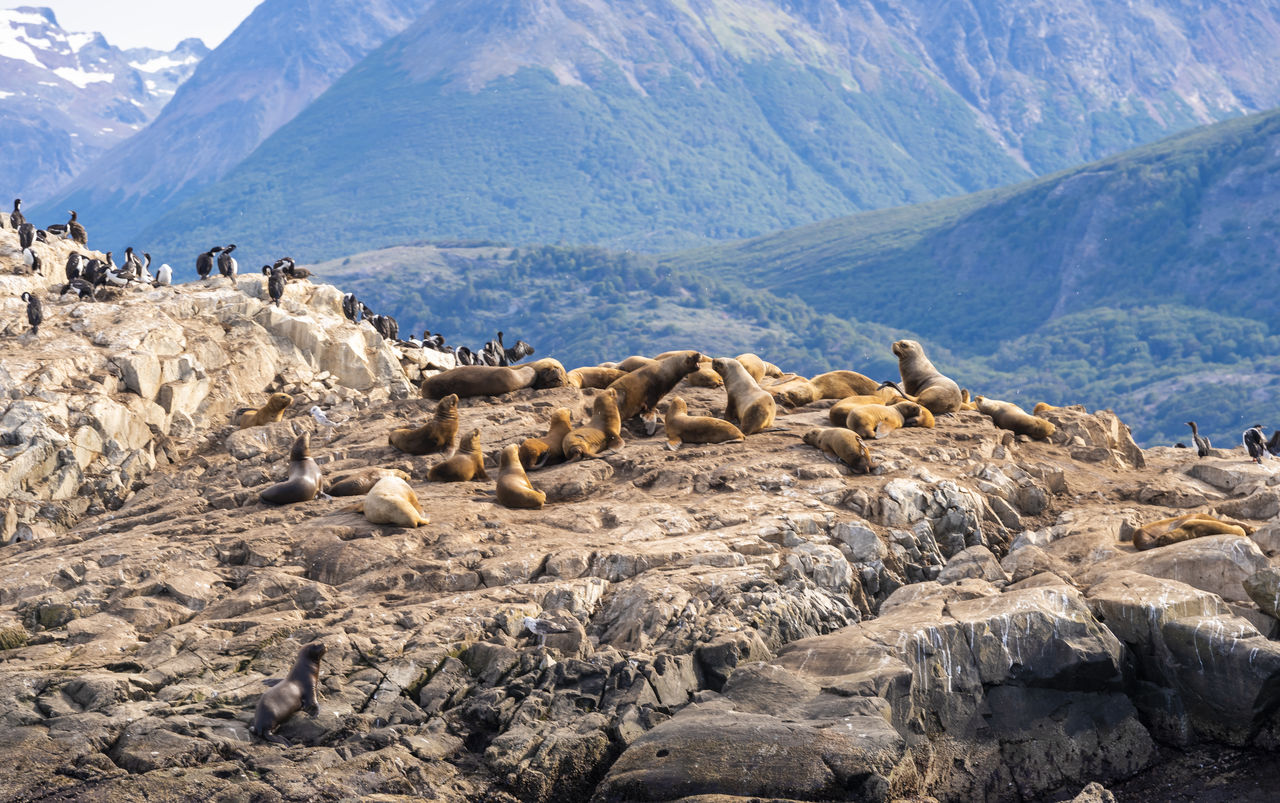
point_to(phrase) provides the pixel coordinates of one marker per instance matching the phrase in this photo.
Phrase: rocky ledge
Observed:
(740, 621)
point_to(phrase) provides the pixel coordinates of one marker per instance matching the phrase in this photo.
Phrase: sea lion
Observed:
(757, 367)
(750, 407)
(878, 420)
(1041, 407)
(548, 450)
(466, 462)
(840, 410)
(268, 413)
(433, 436)
(304, 476)
(601, 434)
(392, 501)
(705, 377)
(297, 692)
(795, 392)
(966, 403)
(1007, 415)
(358, 483)
(641, 390)
(684, 428)
(635, 362)
(839, 384)
(924, 382)
(514, 488)
(594, 377)
(1183, 528)
(844, 446)
(494, 380)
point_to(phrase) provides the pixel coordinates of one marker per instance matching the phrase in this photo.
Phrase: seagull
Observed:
(542, 628)
(322, 419)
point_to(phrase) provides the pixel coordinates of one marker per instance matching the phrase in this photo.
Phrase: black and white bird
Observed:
(1255, 442)
(349, 307)
(81, 288)
(517, 352)
(35, 313)
(144, 269)
(275, 284)
(32, 261)
(1202, 443)
(16, 218)
(74, 263)
(58, 230)
(227, 264)
(292, 270)
(26, 235)
(464, 356)
(131, 261)
(164, 275)
(205, 262)
(76, 231)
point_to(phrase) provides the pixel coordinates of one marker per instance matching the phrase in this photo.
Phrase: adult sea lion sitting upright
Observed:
(641, 390)
(514, 488)
(750, 407)
(304, 476)
(433, 436)
(924, 382)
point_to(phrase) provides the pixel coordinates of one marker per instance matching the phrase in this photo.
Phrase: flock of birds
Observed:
(87, 275)
(1254, 439)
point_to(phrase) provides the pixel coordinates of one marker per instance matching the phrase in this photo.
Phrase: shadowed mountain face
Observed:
(659, 123)
(281, 58)
(67, 97)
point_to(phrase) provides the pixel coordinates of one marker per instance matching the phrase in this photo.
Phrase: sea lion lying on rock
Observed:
(757, 367)
(794, 392)
(358, 483)
(433, 436)
(684, 428)
(840, 410)
(1007, 415)
(843, 446)
(878, 420)
(839, 384)
(494, 380)
(392, 501)
(549, 449)
(924, 382)
(602, 433)
(268, 413)
(1183, 528)
(594, 378)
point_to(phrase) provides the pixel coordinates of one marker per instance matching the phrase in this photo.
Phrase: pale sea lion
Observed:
(601, 434)
(297, 692)
(924, 382)
(594, 378)
(753, 365)
(268, 413)
(304, 476)
(358, 483)
(433, 436)
(1183, 528)
(684, 428)
(640, 391)
(839, 384)
(794, 392)
(466, 462)
(392, 501)
(514, 488)
(494, 380)
(844, 446)
(1010, 416)
(749, 406)
(548, 450)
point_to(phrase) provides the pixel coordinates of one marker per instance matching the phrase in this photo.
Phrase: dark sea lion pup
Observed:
(304, 476)
(297, 692)
(360, 481)
(492, 380)
(433, 436)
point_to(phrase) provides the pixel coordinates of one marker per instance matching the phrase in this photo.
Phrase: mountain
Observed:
(1137, 282)
(66, 98)
(661, 123)
(275, 63)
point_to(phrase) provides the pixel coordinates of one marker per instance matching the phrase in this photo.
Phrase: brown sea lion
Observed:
(750, 407)
(494, 380)
(596, 378)
(392, 501)
(1041, 407)
(304, 476)
(514, 488)
(966, 403)
(878, 420)
(684, 428)
(840, 410)
(640, 391)
(844, 446)
(268, 413)
(358, 483)
(1183, 528)
(795, 392)
(839, 384)
(465, 464)
(1007, 415)
(297, 692)
(924, 382)
(635, 362)
(548, 450)
(433, 436)
(705, 376)
(753, 365)
(602, 433)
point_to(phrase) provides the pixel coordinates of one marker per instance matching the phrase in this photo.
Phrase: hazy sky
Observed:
(150, 23)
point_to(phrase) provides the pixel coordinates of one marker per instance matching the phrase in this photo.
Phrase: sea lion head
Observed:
(561, 416)
(811, 436)
(278, 402)
(906, 348)
(677, 406)
(720, 365)
(548, 373)
(865, 463)
(470, 441)
(312, 652)
(509, 457)
(448, 404)
(692, 360)
(301, 448)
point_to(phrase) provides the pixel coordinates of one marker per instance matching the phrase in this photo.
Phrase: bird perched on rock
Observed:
(73, 267)
(543, 628)
(275, 283)
(35, 312)
(164, 275)
(350, 308)
(322, 419)
(16, 218)
(1255, 442)
(76, 231)
(32, 261)
(227, 264)
(205, 262)
(26, 235)
(82, 288)
(1202, 443)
